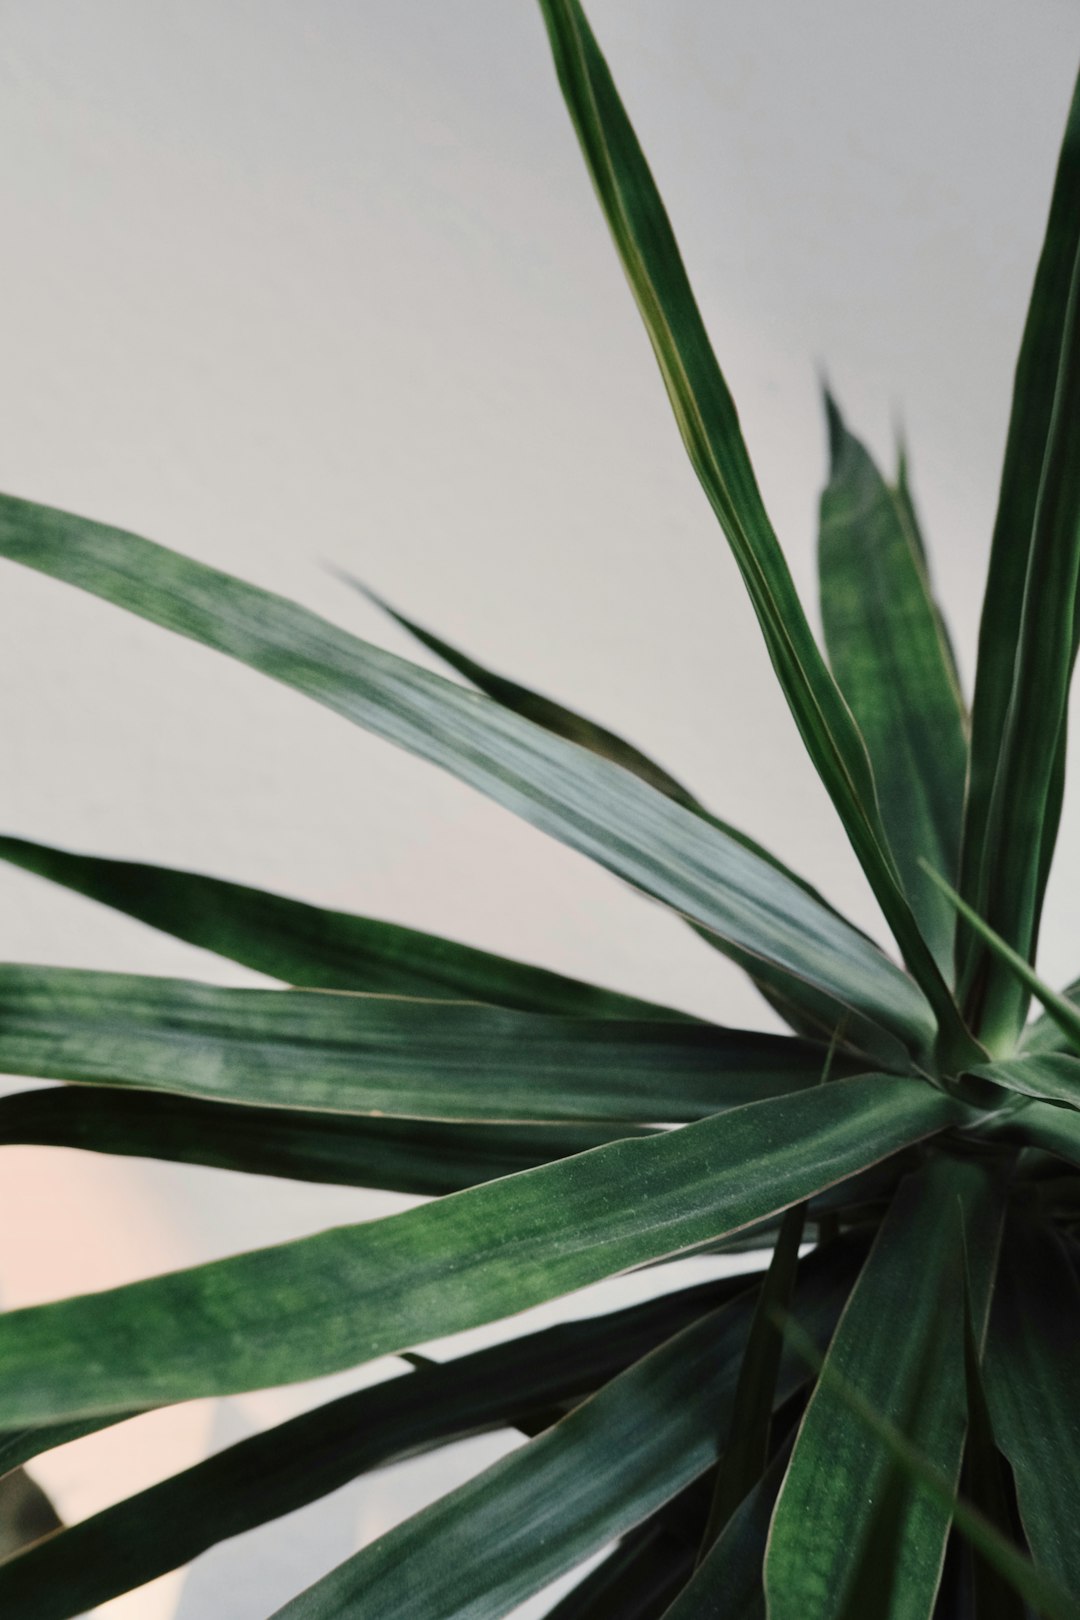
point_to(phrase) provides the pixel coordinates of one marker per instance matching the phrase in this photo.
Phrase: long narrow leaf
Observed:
(883, 633)
(709, 425)
(357, 1292)
(850, 1536)
(807, 1010)
(313, 948)
(408, 1156)
(1031, 1388)
(1049, 1076)
(603, 1469)
(1025, 451)
(1062, 1011)
(746, 1450)
(296, 1462)
(1041, 1592)
(727, 1585)
(382, 1055)
(1020, 826)
(594, 806)
(1043, 1034)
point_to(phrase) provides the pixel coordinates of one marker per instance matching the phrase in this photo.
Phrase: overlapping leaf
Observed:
(357, 1292)
(889, 657)
(314, 948)
(594, 806)
(296, 1462)
(805, 1008)
(1001, 627)
(382, 1055)
(850, 1535)
(1031, 1389)
(1027, 639)
(709, 425)
(603, 1469)
(400, 1155)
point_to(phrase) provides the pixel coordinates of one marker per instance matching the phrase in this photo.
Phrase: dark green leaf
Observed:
(746, 1449)
(883, 634)
(637, 1580)
(606, 1467)
(1062, 1011)
(1043, 1034)
(728, 1583)
(709, 425)
(357, 1292)
(26, 1514)
(313, 948)
(337, 1052)
(1032, 1391)
(851, 1536)
(807, 1010)
(297, 1462)
(408, 1156)
(1049, 1076)
(594, 806)
(984, 1482)
(1043, 1594)
(1010, 555)
(910, 518)
(1013, 839)
(543, 711)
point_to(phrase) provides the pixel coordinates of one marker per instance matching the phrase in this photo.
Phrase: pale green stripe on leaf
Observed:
(850, 1536)
(602, 1470)
(313, 947)
(883, 635)
(1025, 451)
(348, 1295)
(709, 425)
(590, 804)
(382, 1055)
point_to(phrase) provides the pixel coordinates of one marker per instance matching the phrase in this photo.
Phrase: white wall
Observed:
(292, 283)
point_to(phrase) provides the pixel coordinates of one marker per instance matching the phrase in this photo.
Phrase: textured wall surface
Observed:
(287, 284)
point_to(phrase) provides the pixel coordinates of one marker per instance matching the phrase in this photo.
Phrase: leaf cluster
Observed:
(876, 1418)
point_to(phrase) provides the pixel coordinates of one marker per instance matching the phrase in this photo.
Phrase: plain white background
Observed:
(292, 284)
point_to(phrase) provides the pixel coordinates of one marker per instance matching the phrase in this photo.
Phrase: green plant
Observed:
(797, 1435)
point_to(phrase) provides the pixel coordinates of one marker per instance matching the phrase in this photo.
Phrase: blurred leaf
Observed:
(910, 518)
(297, 1462)
(851, 1537)
(552, 716)
(26, 1514)
(313, 948)
(1021, 478)
(709, 425)
(354, 1293)
(883, 633)
(408, 1156)
(382, 1055)
(1032, 1391)
(607, 1466)
(594, 806)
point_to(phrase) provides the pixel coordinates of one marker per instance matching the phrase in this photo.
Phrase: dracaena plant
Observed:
(878, 1414)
